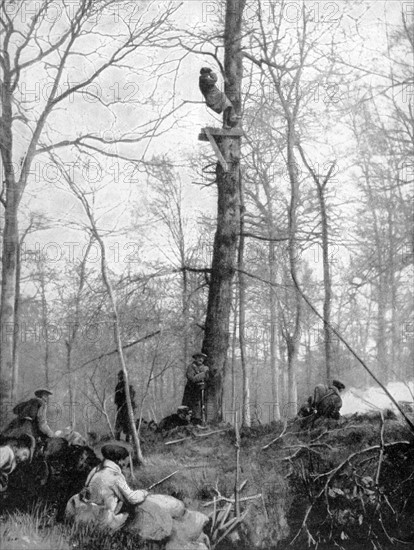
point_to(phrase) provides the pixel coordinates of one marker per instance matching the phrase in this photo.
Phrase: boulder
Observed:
(187, 533)
(151, 521)
(175, 507)
(162, 517)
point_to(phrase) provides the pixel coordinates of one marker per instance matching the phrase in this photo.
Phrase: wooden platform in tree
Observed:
(227, 132)
(210, 134)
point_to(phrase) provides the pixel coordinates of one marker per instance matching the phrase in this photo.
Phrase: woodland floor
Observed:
(346, 485)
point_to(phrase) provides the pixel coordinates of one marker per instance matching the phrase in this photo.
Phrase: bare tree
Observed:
(321, 183)
(27, 54)
(216, 336)
(93, 228)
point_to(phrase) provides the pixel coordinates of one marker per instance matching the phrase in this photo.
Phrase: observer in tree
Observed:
(215, 98)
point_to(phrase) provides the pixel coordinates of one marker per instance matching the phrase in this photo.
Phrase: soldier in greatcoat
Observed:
(122, 423)
(215, 98)
(197, 375)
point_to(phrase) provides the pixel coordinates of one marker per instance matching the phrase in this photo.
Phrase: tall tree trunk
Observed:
(118, 339)
(185, 309)
(15, 351)
(293, 340)
(246, 417)
(216, 336)
(381, 291)
(72, 412)
(8, 288)
(10, 232)
(327, 285)
(45, 319)
(233, 360)
(274, 367)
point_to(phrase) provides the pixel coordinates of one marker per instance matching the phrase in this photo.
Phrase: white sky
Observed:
(123, 188)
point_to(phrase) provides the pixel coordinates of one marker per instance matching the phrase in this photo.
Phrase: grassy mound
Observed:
(347, 484)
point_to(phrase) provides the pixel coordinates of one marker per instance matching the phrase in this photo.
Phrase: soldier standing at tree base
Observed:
(194, 393)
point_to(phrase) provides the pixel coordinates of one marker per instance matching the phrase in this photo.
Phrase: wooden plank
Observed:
(214, 145)
(227, 132)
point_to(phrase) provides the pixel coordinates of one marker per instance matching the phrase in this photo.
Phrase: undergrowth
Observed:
(309, 489)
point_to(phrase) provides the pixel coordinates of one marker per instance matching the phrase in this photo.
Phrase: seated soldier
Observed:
(106, 490)
(31, 418)
(326, 402)
(181, 418)
(13, 451)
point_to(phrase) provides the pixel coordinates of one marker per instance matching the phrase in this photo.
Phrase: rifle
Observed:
(203, 405)
(161, 480)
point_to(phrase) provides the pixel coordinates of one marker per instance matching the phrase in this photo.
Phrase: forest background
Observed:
(104, 113)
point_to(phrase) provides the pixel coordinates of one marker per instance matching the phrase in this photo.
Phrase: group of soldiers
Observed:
(192, 411)
(325, 402)
(26, 432)
(29, 429)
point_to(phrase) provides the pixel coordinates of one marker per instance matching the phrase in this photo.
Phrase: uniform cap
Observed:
(199, 354)
(338, 384)
(112, 449)
(41, 391)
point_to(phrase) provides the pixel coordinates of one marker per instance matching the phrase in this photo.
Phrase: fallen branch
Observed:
(283, 432)
(196, 435)
(231, 500)
(311, 444)
(290, 457)
(335, 470)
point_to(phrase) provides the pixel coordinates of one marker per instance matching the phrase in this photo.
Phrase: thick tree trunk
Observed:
(216, 336)
(10, 231)
(8, 288)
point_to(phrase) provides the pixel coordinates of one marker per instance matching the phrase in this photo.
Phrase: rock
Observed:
(162, 517)
(187, 533)
(175, 507)
(151, 522)
(191, 545)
